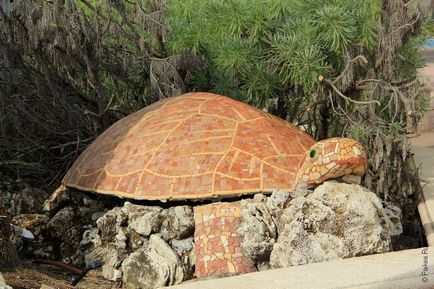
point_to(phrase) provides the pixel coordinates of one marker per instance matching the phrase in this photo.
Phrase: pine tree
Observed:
(262, 50)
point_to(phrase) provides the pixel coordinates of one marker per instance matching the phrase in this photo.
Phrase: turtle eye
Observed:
(312, 153)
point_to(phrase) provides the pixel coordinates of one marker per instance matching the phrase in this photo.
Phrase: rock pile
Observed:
(145, 246)
(151, 246)
(148, 246)
(336, 220)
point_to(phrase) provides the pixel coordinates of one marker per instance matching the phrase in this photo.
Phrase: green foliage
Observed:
(256, 49)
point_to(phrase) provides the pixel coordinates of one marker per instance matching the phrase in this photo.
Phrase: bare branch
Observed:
(330, 83)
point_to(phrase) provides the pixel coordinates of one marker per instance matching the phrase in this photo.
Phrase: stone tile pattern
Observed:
(331, 158)
(217, 243)
(198, 145)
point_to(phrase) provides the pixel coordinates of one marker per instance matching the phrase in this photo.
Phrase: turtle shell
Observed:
(194, 146)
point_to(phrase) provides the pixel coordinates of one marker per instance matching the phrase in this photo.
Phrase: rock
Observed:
(144, 220)
(109, 224)
(155, 266)
(27, 200)
(8, 254)
(300, 192)
(35, 223)
(130, 225)
(185, 250)
(111, 259)
(3, 284)
(89, 236)
(336, 221)
(257, 230)
(95, 216)
(42, 246)
(277, 201)
(127, 234)
(66, 228)
(259, 197)
(16, 238)
(62, 221)
(179, 223)
(183, 246)
(352, 179)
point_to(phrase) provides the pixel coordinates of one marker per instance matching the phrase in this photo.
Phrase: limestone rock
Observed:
(277, 201)
(183, 246)
(179, 222)
(111, 259)
(185, 250)
(3, 284)
(89, 236)
(155, 266)
(62, 221)
(128, 234)
(144, 220)
(66, 226)
(336, 221)
(130, 225)
(300, 192)
(24, 201)
(257, 230)
(109, 224)
(35, 223)
(8, 254)
(352, 179)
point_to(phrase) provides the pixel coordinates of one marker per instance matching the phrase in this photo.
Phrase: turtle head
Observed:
(329, 159)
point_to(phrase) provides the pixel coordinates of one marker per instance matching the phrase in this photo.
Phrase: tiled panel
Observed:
(217, 243)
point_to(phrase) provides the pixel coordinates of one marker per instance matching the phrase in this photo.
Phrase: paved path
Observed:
(396, 270)
(423, 149)
(428, 70)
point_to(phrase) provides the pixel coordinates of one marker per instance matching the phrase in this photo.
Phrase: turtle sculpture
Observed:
(203, 146)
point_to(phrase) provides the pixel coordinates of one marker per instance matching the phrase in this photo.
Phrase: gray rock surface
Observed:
(352, 179)
(66, 226)
(277, 201)
(179, 222)
(111, 258)
(129, 238)
(27, 200)
(336, 221)
(155, 266)
(144, 220)
(257, 230)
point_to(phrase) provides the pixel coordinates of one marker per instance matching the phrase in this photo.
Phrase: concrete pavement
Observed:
(423, 149)
(397, 270)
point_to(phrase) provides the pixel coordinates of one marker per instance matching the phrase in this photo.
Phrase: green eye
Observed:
(312, 153)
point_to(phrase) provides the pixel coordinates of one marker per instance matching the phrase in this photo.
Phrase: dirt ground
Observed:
(33, 276)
